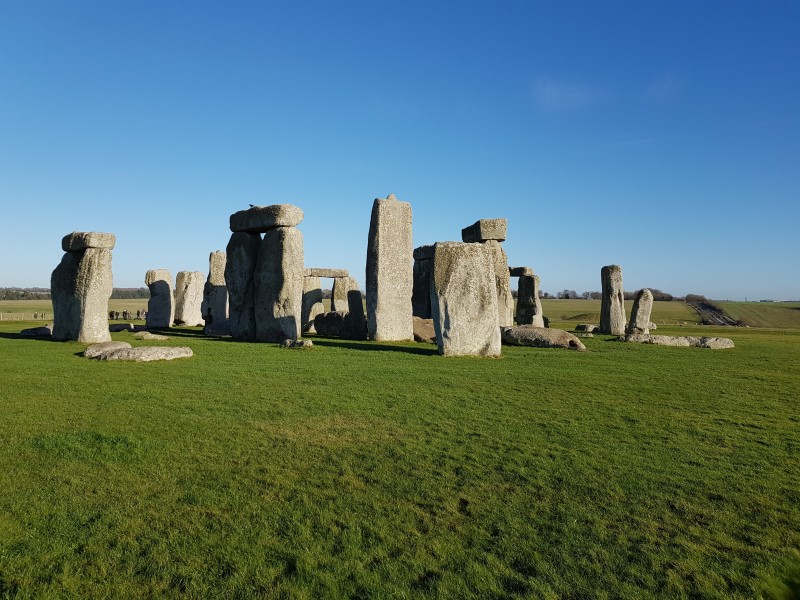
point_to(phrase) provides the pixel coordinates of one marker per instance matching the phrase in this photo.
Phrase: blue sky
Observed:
(661, 136)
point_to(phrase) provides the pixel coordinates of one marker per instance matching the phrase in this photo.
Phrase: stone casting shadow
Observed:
(425, 350)
(19, 336)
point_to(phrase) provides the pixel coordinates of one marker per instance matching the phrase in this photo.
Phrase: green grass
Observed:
(568, 313)
(765, 314)
(383, 470)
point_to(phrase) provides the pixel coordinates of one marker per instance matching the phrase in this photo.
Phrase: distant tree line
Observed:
(658, 295)
(15, 293)
(130, 293)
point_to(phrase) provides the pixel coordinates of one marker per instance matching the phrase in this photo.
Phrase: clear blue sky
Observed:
(661, 136)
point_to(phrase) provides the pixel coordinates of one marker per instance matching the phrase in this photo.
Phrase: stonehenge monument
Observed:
(80, 287)
(491, 232)
(640, 313)
(189, 298)
(341, 287)
(389, 271)
(356, 320)
(161, 305)
(312, 303)
(612, 303)
(264, 277)
(214, 308)
(529, 305)
(464, 300)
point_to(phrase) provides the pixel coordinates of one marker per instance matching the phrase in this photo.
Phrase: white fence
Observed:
(23, 316)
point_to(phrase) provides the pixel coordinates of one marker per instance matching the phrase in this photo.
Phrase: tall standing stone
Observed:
(312, 302)
(189, 297)
(242, 253)
(80, 288)
(279, 285)
(356, 320)
(341, 287)
(529, 306)
(390, 271)
(505, 300)
(464, 300)
(612, 304)
(640, 313)
(215, 294)
(161, 305)
(421, 292)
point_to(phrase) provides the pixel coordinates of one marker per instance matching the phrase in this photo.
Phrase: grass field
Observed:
(383, 470)
(765, 314)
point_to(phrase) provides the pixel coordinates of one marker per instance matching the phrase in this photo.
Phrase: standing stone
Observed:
(80, 288)
(421, 292)
(640, 313)
(312, 302)
(356, 319)
(529, 306)
(279, 285)
(390, 271)
(215, 295)
(464, 300)
(612, 305)
(161, 305)
(505, 300)
(189, 298)
(242, 253)
(341, 287)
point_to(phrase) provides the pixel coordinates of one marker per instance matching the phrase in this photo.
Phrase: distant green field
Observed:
(566, 312)
(46, 306)
(380, 470)
(765, 314)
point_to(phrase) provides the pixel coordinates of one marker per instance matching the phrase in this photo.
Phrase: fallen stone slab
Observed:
(685, 341)
(540, 337)
(424, 331)
(330, 273)
(116, 327)
(330, 324)
(148, 353)
(260, 219)
(81, 240)
(43, 331)
(95, 350)
(587, 327)
(149, 336)
(297, 344)
(583, 334)
(485, 230)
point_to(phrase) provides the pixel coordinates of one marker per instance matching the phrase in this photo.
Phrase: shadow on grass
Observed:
(423, 350)
(19, 336)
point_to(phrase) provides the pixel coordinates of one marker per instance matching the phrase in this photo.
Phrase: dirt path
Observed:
(712, 315)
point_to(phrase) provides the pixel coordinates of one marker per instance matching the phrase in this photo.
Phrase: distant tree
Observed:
(591, 295)
(567, 294)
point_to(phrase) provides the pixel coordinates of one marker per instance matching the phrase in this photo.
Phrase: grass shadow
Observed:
(425, 350)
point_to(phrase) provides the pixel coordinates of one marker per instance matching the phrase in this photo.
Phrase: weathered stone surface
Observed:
(220, 328)
(390, 271)
(149, 336)
(81, 240)
(652, 326)
(640, 312)
(424, 331)
(43, 331)
(260, 219)
(312, 302)
(464, 300)
(529, 305)
(583, 334)
(505, 301)
(297, 344)
(714, 343)
(331, 273)
(330, 324)
(356, 320)
(423, 252)
(189, 297)
(485, 230)
(520, 271)
(540, 337)
(341, 287)
(215, 292)
(587, 327)
(96, 350)
(148, 353)
(612, 303)
(240, 265)
(279, 285)
(80, 288)
(161, 305)
(421, 292)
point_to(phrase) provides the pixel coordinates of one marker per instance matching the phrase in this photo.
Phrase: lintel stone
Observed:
(484, 230)
(81, 240)
(260, 219)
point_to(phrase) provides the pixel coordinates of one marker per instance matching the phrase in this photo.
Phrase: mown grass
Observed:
(765, 314)
(382, 470)
(567, 313)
